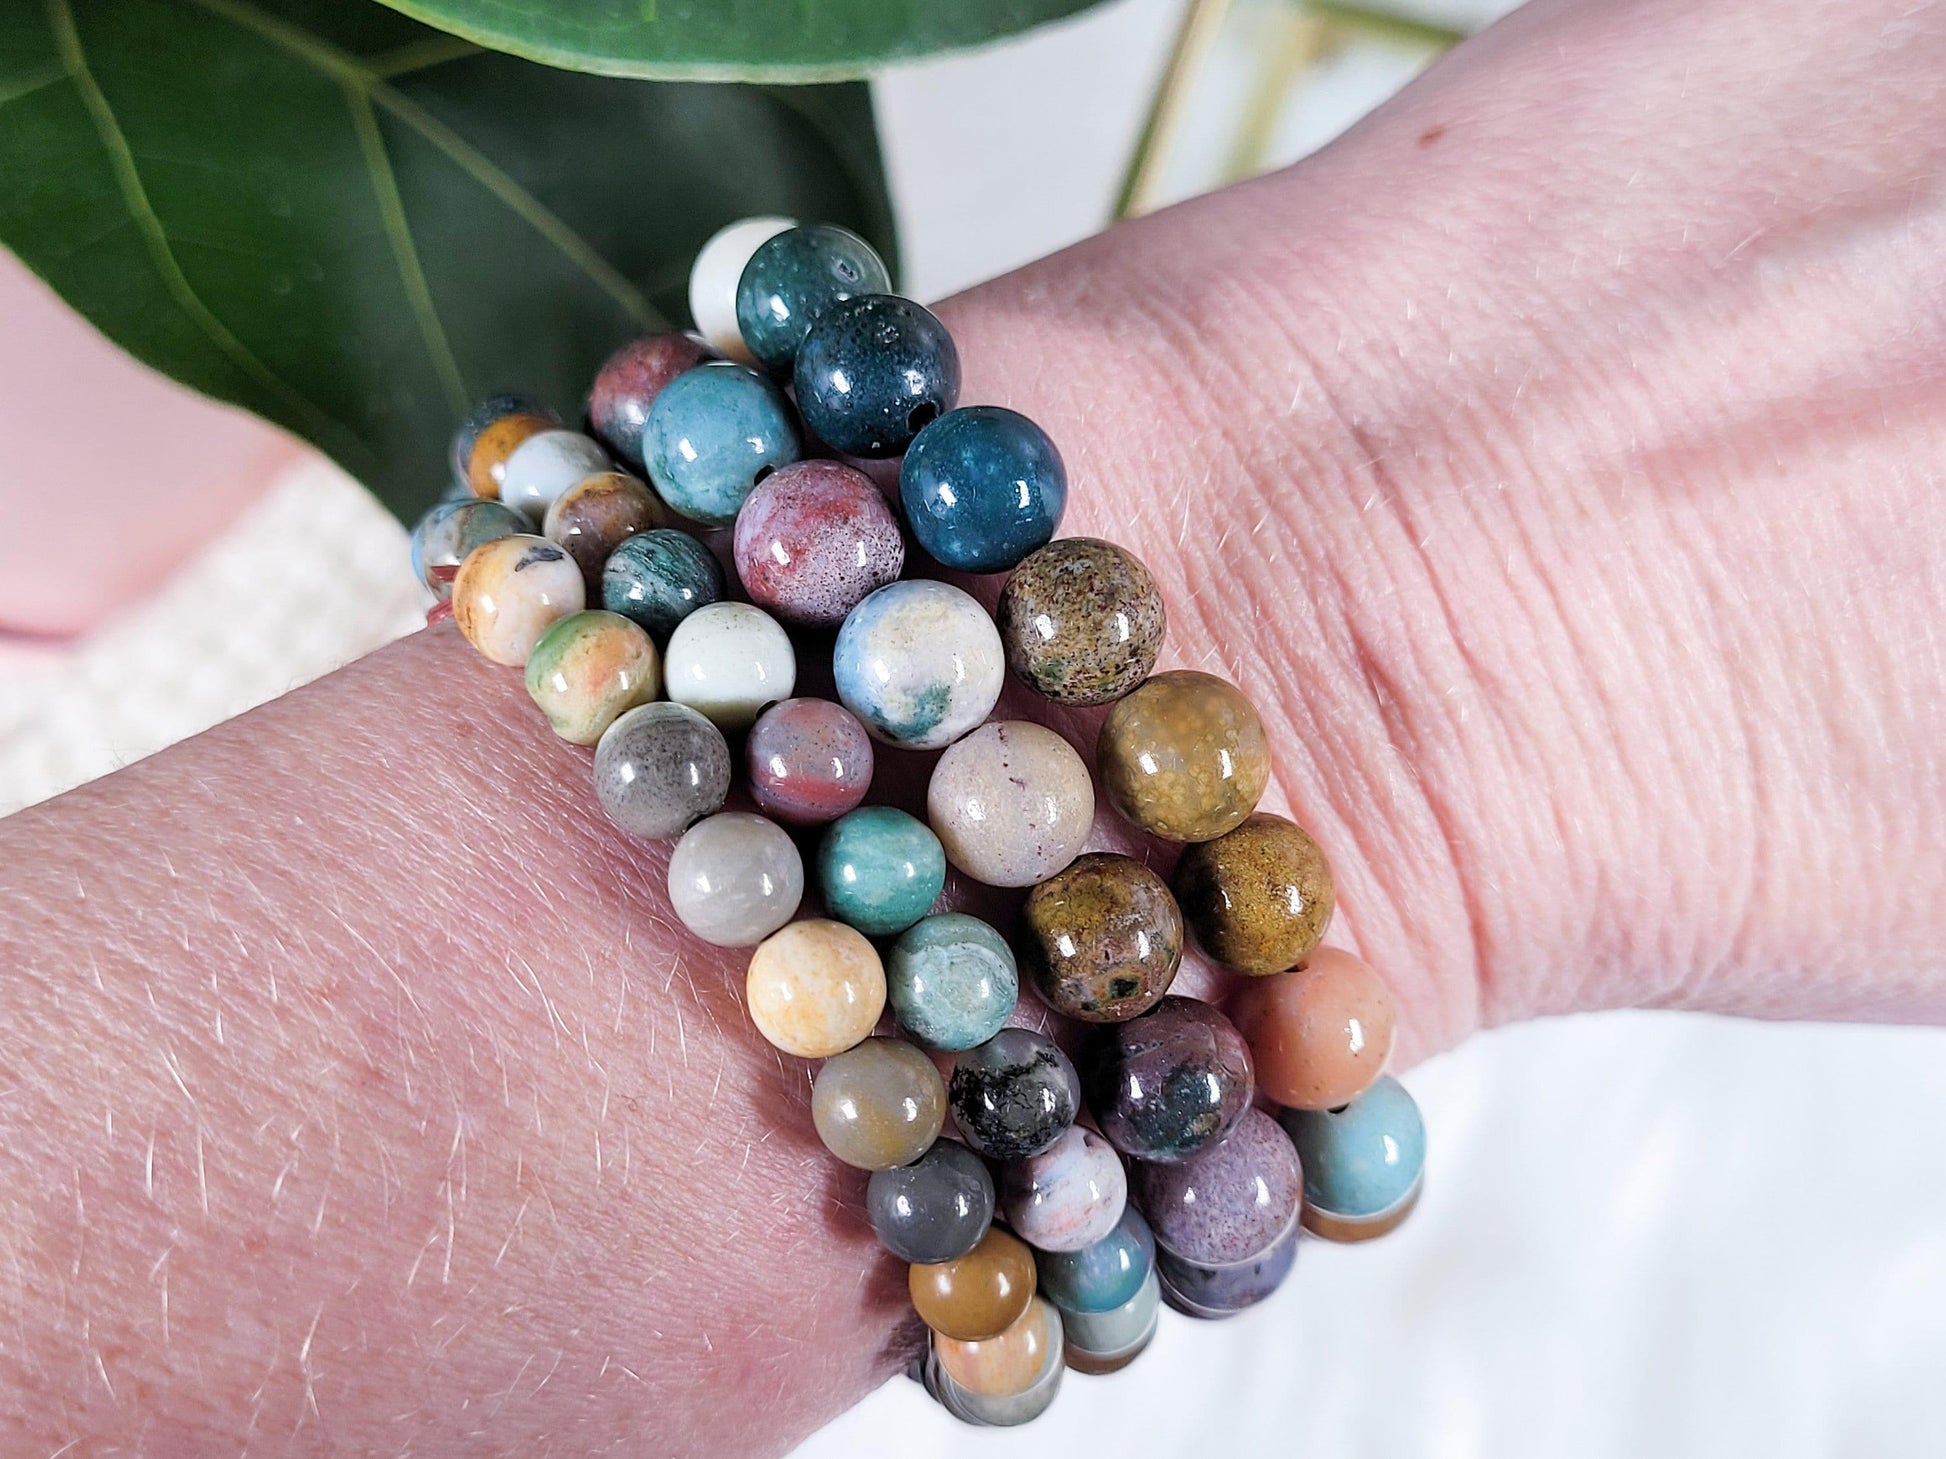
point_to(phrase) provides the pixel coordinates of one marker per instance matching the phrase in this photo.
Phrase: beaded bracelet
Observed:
(1206, 1214)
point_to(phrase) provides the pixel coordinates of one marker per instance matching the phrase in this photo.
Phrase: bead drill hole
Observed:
(923, 415)
(762, 472)
(1338, 1109)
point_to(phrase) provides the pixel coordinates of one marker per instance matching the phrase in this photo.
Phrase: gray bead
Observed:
(735, 878)
(936, 1208)
(660, 767)
(1014, 1095)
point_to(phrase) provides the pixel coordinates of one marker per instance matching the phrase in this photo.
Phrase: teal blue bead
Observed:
(873, 372)
(951, 981)
(712, 434)
(982, 488)
(1104, 1276)
(793, 278)
(880, 870)
(659, 578)
(1363, 1160)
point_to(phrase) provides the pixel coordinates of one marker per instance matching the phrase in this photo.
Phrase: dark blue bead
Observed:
(982, 488)
(792, 279)
(873, 372)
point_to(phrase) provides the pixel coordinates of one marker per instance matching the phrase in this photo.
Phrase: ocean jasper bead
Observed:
(982, 487)
(792, 279)
(713, 433)
(880, 870)
(1082, 621)
(873, 372)
(1009, 1362)
(815, 988)
(814, 540)
(490, 434)
(587, 670)
(952, 981)
(810, 761)
(1170, 1083)
(659, 578)
(596, 515)
(1069, 1196)
(920, 663)
(544, 466)
(1363, 1164)
(1184, 756)
(1229, 1201)
(1120, 1332)
(934, 1209)
(1213, 1292)
(628, 383)
(1320, 1035)
(735, 878)
(1259, 897)
(713, 280)
(1014, 1095)
(448, 533)
(878, 1105)
(1104, 1276)
(661, 768)
(1103, 938)
(1011, 803)
(976, 1296)
(729, 660)
(512, 590)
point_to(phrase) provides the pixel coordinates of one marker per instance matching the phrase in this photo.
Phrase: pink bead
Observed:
(629, 383)
(814, 539)
(810, 761)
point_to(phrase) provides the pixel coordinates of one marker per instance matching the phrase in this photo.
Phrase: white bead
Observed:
(544, 466)
(714, 276)
(727, 661)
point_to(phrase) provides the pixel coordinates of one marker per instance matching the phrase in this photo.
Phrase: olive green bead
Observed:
(1259, 897)
(1103, 938)
(1184, 756)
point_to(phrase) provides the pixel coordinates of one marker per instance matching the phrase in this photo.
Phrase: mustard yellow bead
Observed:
(979, 1295)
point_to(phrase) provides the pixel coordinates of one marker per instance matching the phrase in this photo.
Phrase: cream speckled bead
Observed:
(545, 467)
(729, 660)
(1012, 803)
(880, 1105)
(714, 276)
(815, 988)
(735, 878)
(511, 591)
(589, 669)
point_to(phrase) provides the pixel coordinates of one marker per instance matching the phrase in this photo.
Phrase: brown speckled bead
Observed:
(486, 463)
(1320, 1035)
(1082, 621)
(1103, 938)
(979, 1295)
(1258, 897)
(1184, 756)
(592, 518)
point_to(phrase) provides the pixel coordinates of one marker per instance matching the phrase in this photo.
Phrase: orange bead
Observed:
(487, 462)
(977, 1296)
(1013, 1362)
(1320, 1035)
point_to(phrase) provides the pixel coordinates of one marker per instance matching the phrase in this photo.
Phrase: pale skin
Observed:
(1555, 461)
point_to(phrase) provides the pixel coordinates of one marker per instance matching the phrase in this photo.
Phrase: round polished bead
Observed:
(1082, 621)
(1004, 1368)
(1320, 1035)
(1258, 897)
(1184, 756)
(1170, 1083)
(878, 1105)
(815, 988)
(979, 1295)
(596, 515)
(952, 981)
(1011, 802)
(659, 578)
(880, 870)
(1013, 1095)
(713, 433)
(934, 1209)
(793, 278)
(982, 487)
(814, 540)
(450, 531)
(1229, 1201)
(920, 663)
(628, 383)
(1010, 1362)
(873, 372)
(1104, 1276)
(810, 761)
(589, 669)
(713, 280)
(1363, 1163)
(661, 768)
(1069, 1196)
(544, 466)
(489, 435)
(512, 590)
(1118, 1330)
(729, 660)
(1212, 1292)
(1103, 938)
(735, 878)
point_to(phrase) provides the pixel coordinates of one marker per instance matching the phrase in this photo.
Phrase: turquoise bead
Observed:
(951, 981)
(880, 870)
(659, 578)
(982, 488)
(1104, 1276)
(1363, 1160)
(873, 372)
(793, 278)
(712, 434)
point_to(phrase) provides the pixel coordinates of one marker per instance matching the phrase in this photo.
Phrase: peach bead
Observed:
(1013, 1362)
(815, 988)
(977, 1296)
(1321, 1034)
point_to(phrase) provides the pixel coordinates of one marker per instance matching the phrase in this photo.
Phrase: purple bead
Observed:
(1221, 1291)
(810, 761)
(814, 540)
(628, 384)
(1168, 1083)
(1226, 1203)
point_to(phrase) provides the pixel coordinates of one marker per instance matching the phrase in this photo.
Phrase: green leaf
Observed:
(356, 226)
(733, 40)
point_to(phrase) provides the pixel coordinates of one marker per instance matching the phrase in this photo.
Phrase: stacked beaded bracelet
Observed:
(1219, 1188)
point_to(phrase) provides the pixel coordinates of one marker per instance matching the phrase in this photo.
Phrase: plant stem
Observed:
(1200, 23)
(1386, 26)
